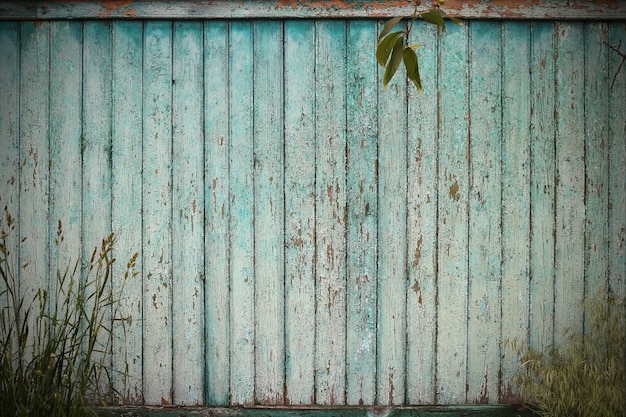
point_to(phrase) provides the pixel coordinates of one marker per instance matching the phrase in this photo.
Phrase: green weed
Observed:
(55, 345)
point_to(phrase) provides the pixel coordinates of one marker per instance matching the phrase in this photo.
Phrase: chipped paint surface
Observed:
(236, 9)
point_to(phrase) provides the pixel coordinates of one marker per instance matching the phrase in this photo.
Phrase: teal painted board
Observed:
(126, 203)
(597, 86)
(217, 212)
(570, 177)
(65, 181)
(34, 156)
(392, 213)
(617, 171)
(485, 213)
(299, 107)
(330, 206)
(452, 226)
(362, 210)
(241, 213)
(516, 195)
(269, 213)
(157, 213)
(188, 213)
(542, 144)
(422, 201)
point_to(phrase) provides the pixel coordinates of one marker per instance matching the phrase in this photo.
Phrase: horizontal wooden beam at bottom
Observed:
(319, 411)
(286, 9)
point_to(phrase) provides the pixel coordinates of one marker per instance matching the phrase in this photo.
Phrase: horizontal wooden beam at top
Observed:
(281, 9)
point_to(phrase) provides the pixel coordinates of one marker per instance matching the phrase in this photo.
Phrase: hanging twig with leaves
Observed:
(393, 47)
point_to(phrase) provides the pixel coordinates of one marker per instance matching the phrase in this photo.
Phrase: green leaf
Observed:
(412, 67)
(394, 62)
(388, 26)
(452, 19)
(385, 47)
(435, 16)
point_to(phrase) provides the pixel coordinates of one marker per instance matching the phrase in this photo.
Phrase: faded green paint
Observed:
(304, 236)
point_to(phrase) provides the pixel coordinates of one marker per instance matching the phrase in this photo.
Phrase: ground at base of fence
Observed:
(421, 411)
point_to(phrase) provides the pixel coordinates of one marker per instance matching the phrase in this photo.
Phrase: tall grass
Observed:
(55, 347)
(585, 376)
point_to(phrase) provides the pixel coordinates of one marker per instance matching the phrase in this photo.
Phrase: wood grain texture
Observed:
(157, 213)
(516, 195)
(241, 213)
(269, 213)
(303, 235)
(217, 212)
(486, 189)
(542, 148)
(299, 212)
(362, 208)
(280, 9)
(330, 214)
(422, 203)
(188, 213)
(126, 204)
(453, 191)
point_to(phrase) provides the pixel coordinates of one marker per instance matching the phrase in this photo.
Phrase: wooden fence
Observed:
(304, 236)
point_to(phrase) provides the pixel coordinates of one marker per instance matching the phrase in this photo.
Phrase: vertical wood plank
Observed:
(65, 148)
(422, 184)
(10, 145)
(516, 193)
(330, 71)
(188, 213)
(485, 217)
(241, 214)
(34, 159)
(96, 135)
(570, 170)
(126, 206)
(597, 84)
(452, 221)
(392, 202)
(269, 213)
(617, 170)
(299, 212)
(216, 208)
(542, 190)
(362, 211)
(157, 213)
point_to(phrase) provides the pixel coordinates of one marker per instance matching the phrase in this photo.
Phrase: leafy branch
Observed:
(393, 48)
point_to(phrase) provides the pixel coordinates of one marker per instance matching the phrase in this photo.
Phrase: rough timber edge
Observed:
(286, 9)
(319, 411)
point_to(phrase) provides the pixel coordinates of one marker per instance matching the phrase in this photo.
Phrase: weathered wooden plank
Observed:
(617, 168)
(485, 217)
(570, 174)
(278, 9)
(392, 203)
(10, 151)
(241, 214)
(423, 148)
(126, 207)
(299, 212)
(216, 208)
(361, 107)
(65, 214)
(269, 213)
(453, 219)
(188, 213)
(157, 213)
(34, 157)
(330, 120)
(542, 131)
(516, 194)
(596, 102)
